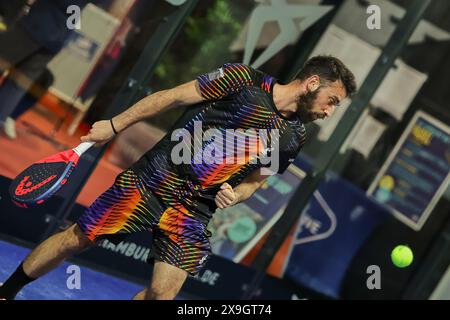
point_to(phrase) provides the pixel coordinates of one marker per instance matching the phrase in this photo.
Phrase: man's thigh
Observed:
(181, 240)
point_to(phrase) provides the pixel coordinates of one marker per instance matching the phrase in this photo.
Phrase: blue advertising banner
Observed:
(417, 172)
(331, 230)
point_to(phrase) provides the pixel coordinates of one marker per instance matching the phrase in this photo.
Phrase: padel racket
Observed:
(44, 178)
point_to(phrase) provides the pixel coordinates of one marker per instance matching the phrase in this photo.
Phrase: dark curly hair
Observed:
(329, 69)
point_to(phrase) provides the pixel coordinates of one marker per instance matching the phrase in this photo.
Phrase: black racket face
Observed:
(39, 182)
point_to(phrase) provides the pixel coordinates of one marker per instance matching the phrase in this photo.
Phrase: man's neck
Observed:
(286, 96)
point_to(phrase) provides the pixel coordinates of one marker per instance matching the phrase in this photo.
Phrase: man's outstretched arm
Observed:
(228, 196)
(185, 94)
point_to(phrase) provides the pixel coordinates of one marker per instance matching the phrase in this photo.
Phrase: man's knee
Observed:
(162, 292)
(166, 282)
(74, 239)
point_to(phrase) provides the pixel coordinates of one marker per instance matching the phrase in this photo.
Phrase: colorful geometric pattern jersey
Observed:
(236, 129)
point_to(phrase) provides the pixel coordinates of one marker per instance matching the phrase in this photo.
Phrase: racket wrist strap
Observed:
(112, 126)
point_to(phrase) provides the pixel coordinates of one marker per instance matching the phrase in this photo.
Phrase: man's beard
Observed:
(305, 104)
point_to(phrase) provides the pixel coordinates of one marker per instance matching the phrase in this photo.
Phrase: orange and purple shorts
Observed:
(179, 239)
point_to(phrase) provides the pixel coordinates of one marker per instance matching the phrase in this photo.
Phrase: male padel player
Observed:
(216, 154)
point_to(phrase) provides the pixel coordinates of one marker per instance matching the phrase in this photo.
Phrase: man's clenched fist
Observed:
(226, 197)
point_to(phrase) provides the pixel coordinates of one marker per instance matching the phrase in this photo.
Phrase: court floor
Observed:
(94, 285)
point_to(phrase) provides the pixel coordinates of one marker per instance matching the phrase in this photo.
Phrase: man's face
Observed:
(320, 104)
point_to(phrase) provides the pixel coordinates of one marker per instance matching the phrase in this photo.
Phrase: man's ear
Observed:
(314, 87)
(313, 83)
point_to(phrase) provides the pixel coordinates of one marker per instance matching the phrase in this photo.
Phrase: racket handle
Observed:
(83, 147)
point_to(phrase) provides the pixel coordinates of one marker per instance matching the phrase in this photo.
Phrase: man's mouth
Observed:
(321, 116)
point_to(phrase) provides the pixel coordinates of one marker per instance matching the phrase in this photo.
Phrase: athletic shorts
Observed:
(179, 239)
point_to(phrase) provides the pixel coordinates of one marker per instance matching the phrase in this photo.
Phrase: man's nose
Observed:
(329, 111)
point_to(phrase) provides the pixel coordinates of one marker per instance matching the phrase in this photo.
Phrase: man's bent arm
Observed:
(158, 102)
(228, 196)
(249, 185)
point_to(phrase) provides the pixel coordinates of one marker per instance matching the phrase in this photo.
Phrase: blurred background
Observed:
(374, 176)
